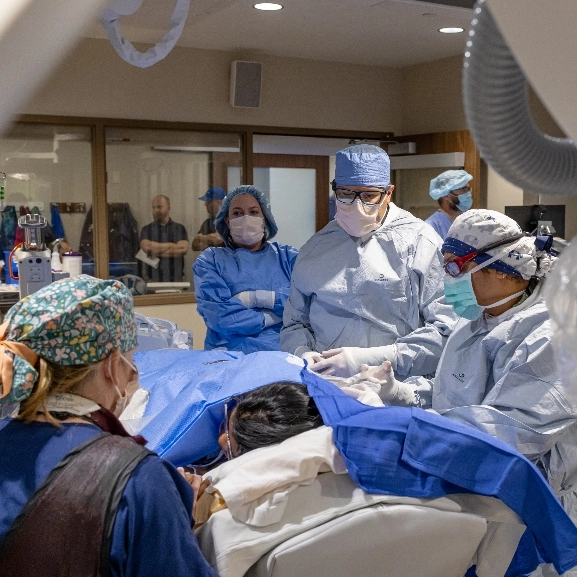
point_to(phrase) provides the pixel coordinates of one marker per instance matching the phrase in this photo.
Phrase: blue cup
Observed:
(7, 278)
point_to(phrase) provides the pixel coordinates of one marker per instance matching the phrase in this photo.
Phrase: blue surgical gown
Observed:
(222, 272)
(152, 532)
(498, 374)
(440, 222)
(368, 292)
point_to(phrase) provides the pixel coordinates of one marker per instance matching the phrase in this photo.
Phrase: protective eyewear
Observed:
(368, 197)
(463, 190)
(228, 408)
(454, 267)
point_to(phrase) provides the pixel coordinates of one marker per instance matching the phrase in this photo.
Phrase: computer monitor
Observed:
(528, 217)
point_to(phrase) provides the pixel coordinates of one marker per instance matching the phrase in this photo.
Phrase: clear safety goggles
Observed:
(454, 267)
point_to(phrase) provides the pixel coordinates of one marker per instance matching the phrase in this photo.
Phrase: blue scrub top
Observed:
(440, 222)
(222, 272)
(152, 532)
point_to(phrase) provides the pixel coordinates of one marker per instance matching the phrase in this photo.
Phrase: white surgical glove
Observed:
(247, 298)
(311, 357)
(392, 392)
(347, 361)
(270, 318)
(258, 299)
(364, 394)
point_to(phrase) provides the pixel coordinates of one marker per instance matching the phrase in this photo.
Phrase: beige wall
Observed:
(193, 86)
(432, 97)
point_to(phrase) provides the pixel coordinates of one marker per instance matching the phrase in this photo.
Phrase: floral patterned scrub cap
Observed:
(74, 321)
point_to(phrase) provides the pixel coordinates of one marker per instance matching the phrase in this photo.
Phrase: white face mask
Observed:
(132, 386)
(246, 230)
(356, 218)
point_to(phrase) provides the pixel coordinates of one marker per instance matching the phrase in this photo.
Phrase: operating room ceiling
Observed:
(392, 33)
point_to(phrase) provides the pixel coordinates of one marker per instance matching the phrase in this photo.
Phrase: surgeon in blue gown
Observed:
(241, 288)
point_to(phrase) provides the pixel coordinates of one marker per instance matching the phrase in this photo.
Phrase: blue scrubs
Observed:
(440, 222)
(152, 532)
(222, 272)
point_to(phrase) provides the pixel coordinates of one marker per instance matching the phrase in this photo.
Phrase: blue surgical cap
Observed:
(447, 181)
(362, 165)
(222, 228)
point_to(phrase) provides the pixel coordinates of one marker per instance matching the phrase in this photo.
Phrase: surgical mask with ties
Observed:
(131, 387)
(357, 219)
(460, 295)
(246, 230)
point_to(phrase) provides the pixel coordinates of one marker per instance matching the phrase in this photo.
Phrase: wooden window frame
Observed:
(98, 128)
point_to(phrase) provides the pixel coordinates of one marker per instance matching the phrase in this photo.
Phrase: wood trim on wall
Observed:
(455, 141)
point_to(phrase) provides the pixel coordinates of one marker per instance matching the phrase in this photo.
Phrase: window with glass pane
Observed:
(164, 189)
(48, 171)
(294, 172)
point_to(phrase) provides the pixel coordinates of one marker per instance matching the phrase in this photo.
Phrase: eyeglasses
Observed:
(454, 267)
(462, 190)
(368, 197)
(228, 408)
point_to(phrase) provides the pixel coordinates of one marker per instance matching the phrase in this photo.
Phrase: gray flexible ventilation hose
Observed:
(497, 108)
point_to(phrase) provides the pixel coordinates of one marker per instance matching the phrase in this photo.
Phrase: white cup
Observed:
(72, 263)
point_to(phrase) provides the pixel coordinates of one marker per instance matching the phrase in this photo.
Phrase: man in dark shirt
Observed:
(207, 235)
(165, 239)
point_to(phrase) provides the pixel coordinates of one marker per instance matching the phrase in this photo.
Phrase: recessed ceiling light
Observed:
(451, 30)
(267, 6)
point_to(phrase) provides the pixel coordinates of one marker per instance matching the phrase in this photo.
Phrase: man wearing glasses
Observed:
(369, 286)
(452, 190)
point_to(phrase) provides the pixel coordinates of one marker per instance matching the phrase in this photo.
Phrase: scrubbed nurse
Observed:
(241, 288)
(369, 285)
(498, 372)
(452, 190)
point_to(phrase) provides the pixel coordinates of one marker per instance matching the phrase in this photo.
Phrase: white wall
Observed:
(501, 193)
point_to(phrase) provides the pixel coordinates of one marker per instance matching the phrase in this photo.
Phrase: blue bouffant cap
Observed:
(213, 193)
(222, 228)
(447, 181)
(362, 165)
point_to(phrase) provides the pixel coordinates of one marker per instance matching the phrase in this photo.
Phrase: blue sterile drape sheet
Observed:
(415, 453)
(188, 390)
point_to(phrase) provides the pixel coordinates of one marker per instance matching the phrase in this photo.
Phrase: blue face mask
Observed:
(465, 201)
(460, 295)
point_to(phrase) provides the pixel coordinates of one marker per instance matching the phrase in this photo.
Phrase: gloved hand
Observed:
(392, 392)
(270, 318)
(259, 299)
(347, 361)
(364, 394)
(311, 357)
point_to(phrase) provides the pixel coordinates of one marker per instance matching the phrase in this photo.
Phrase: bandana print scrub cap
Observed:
(477, 228)
(74, 321)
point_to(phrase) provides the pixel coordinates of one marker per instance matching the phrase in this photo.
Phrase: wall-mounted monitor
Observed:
(528, 217)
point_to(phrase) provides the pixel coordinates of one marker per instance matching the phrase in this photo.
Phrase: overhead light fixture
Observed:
(451, 30)
(267, 6)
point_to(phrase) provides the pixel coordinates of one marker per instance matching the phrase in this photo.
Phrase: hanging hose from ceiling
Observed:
(496, 104)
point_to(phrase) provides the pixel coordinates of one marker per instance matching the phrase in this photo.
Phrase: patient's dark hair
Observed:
(272, 414)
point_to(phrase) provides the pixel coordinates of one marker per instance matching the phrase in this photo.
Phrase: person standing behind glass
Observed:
(451, 189)
(165, 239)
(207, 235)
(241, 288)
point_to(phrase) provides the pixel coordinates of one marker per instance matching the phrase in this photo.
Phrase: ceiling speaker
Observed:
(245, 84)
